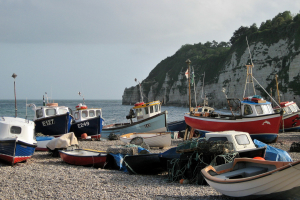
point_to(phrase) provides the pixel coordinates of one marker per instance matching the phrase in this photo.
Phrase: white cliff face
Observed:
(267, 60)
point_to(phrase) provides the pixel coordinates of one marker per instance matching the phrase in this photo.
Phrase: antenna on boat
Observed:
(249, 78)
(140, 89)
(14, 76)
(81, 96)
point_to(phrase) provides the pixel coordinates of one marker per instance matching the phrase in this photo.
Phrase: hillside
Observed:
(274, 47)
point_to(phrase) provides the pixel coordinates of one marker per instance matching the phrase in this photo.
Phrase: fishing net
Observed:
(196, 155)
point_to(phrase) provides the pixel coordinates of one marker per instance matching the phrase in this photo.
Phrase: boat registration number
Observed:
(48, 122)
(147, 125)
(83, 124)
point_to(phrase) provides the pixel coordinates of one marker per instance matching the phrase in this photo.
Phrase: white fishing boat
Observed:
(160, 139)
(17, 141)
(253, 178)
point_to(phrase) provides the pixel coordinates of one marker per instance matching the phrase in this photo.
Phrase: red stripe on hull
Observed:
(251, 125)
(13, 160)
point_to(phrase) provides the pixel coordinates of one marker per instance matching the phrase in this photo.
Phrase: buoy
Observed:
(258, 158)
(181, 181)
(83, 136)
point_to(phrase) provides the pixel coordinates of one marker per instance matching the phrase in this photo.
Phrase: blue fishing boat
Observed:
(87, 120)
(51, 119)
(149, 118)
(17, 142)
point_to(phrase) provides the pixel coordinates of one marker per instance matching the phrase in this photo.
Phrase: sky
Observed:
(98, 47)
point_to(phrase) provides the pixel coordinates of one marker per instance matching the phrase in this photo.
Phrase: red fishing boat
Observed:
(291, 116)
(253, 115)
(83, 157)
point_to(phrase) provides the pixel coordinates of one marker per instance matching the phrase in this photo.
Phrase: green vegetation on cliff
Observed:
(211, 57)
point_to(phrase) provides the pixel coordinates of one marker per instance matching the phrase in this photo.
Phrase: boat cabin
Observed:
(85, 114)
(50, 110)
(251, 107)
(146, 110)
(23, 129)
(204, 111)
(288, 107)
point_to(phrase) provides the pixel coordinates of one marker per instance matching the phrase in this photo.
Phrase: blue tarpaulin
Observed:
(273, 153)
(119, 159)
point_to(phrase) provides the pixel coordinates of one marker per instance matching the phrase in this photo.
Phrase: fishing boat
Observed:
(42, 142)
(51, 119)
(256, 118)
(17, 141)
(291, 116)
(159, 139)
(87, 120)
(84, 157)
(291, 113)
(255, 178)
(149, 118)
(143, 164)
(252, 114)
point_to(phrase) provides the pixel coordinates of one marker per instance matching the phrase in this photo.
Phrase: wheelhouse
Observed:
(85, 114)
(250, 108)
(146, 110)
(288, 107)
(48, 111)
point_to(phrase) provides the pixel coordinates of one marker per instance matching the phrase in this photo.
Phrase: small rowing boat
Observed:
(84, 157)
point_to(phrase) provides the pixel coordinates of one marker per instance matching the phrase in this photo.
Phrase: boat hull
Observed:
(13, 151)
(82, 157)
(291, 122)
(54, 126)
(92, 127)
(177, 125)
(42, 142)
(144, 164)
(280, 183)
(160, 140)
(157, 123)
(265, 127)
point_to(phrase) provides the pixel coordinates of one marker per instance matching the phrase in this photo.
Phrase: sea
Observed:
(112, 110)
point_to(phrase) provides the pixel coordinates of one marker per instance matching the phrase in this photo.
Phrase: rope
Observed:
(129, 166)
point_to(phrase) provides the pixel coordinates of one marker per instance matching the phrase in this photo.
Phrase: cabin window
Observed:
(266, 109)
(156, 108)
(146, 110)
(76, 115)
(247, 110)
(62, 111)
(287, 110)
(217, 139)
(15, 130)
(39, 113)
(151, 109)
(242, 139)
(259, 110)
(98, 112)
(92, 113)
(139, 112)
(84, 114)
(50, 112)
(293, 108)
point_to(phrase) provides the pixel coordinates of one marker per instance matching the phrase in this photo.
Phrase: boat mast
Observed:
(140, 89)
(194, 83)
(188, 62)
(249, 78)
(82, 97)
(14, 76)
(276, 76)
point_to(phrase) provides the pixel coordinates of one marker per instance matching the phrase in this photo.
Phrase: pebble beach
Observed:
(47, 177)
